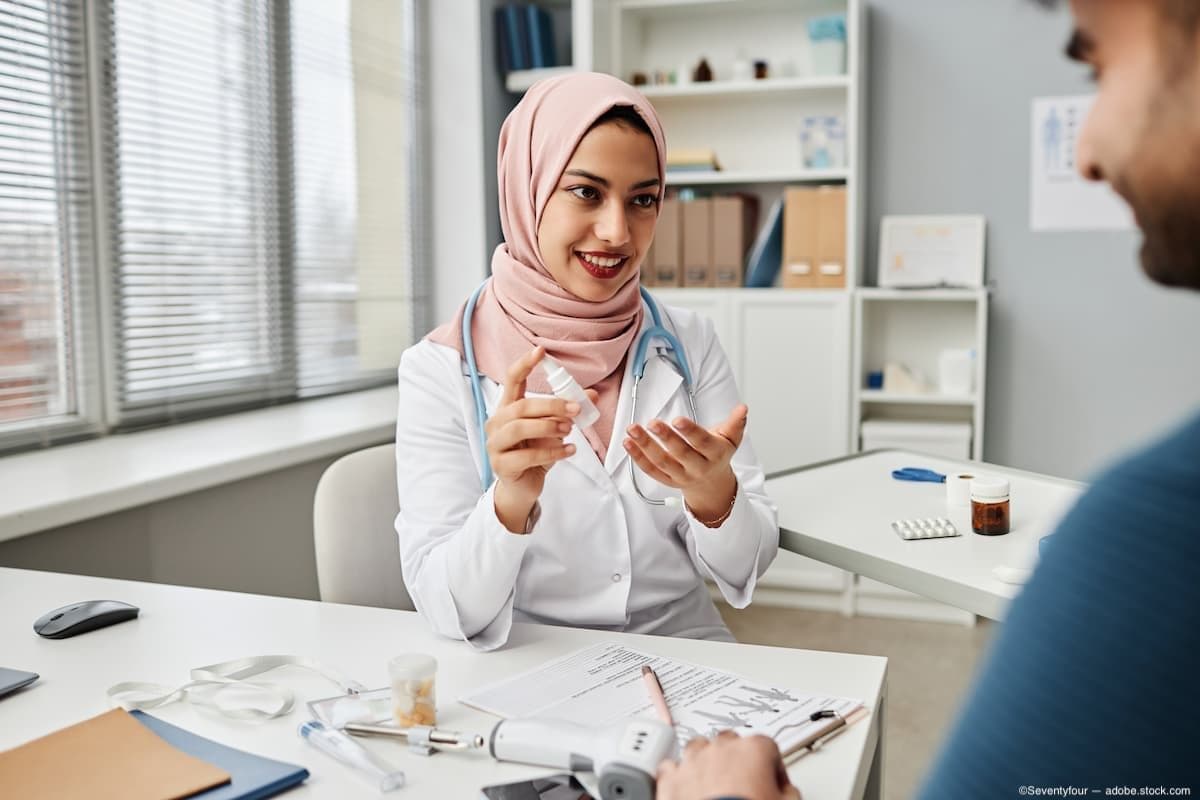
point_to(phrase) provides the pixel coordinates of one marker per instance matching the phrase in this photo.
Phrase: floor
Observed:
(929, 669)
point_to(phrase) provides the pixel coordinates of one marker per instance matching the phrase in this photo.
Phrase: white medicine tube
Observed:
(567, 388)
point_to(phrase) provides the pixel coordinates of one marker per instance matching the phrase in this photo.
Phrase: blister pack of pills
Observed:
(930, 528)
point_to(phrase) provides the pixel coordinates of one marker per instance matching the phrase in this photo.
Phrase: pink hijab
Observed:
(523, 306)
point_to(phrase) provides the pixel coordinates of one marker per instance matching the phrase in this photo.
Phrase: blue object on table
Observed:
(919, 475)
(875, 380)
(252, 777)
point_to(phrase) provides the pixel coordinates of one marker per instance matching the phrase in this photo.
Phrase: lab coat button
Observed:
(616, 577)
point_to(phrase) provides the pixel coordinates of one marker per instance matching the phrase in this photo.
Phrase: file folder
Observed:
(831, 237)
(697, 242)
(668, 244)
(801, 222)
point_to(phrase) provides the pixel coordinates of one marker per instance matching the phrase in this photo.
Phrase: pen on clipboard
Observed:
(813, 743)
(656, 694)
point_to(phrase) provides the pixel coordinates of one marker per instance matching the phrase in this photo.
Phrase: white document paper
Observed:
(603, 684)
(1060, 198)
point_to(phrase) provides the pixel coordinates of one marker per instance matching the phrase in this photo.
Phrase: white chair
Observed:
(354, 513)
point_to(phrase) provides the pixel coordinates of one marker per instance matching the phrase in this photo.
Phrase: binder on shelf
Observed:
(668, 243)
(831, 237)
(541, 37)
(762, 265)
(697, 242)
(514, 28)
(504, 45)
(801, 222)
(732, 219)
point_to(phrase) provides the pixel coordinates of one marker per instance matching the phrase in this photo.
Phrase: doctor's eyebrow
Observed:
(1080, 46)
(604, 181)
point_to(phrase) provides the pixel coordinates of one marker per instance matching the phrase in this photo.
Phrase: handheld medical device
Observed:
(669, 349)
(624, 756)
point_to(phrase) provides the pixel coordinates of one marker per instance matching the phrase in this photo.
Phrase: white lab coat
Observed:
(598, 556)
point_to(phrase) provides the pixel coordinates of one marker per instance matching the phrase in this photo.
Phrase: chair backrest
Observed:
(354, 513)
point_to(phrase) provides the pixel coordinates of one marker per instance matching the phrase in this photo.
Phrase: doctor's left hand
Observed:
(693, 459)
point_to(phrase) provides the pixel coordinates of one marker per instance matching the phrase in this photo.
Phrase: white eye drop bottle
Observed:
(567, 388)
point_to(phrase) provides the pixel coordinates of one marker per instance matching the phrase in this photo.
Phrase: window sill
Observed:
(48, 488)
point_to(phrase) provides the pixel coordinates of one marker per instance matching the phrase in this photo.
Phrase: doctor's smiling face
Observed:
(1143, 133)
(599, 222)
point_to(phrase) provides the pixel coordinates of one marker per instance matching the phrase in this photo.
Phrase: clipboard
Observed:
(818, 738)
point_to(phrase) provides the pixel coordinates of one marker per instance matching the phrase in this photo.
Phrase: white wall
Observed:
(1086, 357)
(458, 177)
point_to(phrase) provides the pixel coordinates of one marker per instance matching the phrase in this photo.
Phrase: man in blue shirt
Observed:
(1091, 686)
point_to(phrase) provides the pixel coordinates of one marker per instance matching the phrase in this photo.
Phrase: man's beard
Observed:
(1170, 226)
(1171, 244)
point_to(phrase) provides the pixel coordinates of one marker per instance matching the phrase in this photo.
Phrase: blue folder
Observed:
(766, 256)
(541, 37)
(516, 27)
(253, 777)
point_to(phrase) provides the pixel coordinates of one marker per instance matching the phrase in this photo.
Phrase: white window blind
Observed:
(352, 101)
(254, 177)
(199, 289)
(261, 159)
(45, 230)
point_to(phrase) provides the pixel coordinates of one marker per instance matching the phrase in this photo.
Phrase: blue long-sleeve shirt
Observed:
(1093, 681)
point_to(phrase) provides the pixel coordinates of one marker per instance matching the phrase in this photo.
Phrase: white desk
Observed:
(181, 628)
(840, 512)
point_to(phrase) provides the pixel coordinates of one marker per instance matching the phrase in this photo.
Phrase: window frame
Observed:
(94, 327)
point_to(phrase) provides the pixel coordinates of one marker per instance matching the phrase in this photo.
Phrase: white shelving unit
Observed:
(753, 126)
(765, 86)
(751, 178)
(911, 328)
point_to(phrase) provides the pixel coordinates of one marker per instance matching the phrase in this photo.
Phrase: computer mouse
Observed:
(62, 623)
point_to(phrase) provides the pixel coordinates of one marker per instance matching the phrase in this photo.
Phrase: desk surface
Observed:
(181, 628)
(840, 512)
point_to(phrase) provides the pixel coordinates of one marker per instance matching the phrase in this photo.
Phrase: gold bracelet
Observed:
(716, 523)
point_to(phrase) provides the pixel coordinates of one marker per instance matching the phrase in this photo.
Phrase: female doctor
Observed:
(507, 510)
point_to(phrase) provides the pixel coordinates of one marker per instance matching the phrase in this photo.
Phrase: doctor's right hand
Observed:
(524, 439)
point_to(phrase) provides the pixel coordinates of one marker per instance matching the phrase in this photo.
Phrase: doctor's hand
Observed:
(696, 460)
(524, 439)
(727, 766)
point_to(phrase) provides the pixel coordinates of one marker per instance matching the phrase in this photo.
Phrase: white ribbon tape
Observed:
(224, 687)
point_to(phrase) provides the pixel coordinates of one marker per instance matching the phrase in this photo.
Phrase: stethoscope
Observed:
(670, 350)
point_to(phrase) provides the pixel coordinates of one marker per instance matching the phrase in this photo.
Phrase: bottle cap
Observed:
(985, 488)
(556, 375)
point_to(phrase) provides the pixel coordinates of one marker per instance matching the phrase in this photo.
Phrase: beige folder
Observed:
(647, 269)
(800, 225)
(697, 242)
(108, 757)
(831, 237)
(730, 227)
(668, 244)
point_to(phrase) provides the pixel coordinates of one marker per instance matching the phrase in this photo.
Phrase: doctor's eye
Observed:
(588, 193)
(646, 200)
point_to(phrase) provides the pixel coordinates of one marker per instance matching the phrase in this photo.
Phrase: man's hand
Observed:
(747, 767)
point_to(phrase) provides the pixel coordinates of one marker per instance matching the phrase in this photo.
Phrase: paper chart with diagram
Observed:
(1060, 198)
(603, 683)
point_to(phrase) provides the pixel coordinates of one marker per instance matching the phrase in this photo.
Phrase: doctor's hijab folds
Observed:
(561, 535)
